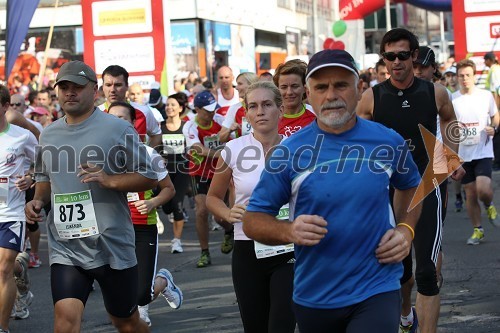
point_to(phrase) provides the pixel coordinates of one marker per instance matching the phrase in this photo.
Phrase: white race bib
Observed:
(211, 142)
(470, 135)
(175, 142)
(74, 215)
(245, 126)
(266, 251)
(132, 196)
(4, 190)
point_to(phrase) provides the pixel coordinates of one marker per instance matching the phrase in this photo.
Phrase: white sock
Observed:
(407, 320)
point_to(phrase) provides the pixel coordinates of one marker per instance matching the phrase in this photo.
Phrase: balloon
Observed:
(327, 43)
(339, 28)
(337, 45)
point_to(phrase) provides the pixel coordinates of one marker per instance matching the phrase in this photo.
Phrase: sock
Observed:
(487, 205)
(480, 227)
(407, 320)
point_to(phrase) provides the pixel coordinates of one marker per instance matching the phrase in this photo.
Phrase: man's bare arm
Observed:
(365, 105)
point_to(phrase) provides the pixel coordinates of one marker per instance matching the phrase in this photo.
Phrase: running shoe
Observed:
(172, 293)
(22, 280)
(204, 260)
(477, 237)
(144, 314)
(35, 261)
(459, 205)
(492, 216)
(21, 305)
(412, 328)
(176, 246)
(214, 225)
(3, 331)
(228, 243)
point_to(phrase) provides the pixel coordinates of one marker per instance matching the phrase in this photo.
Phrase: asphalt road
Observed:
(470, 294)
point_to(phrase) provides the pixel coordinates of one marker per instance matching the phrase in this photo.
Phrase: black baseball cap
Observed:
(155, 97)
(331, 58)
(426, 56)
(77, 72)
(490, 56)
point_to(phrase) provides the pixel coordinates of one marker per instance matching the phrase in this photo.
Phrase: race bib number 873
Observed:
(74, 215)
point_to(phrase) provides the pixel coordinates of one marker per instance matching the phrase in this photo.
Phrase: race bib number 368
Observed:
(74, 215)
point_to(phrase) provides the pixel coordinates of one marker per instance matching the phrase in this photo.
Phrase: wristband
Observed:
(409, 228)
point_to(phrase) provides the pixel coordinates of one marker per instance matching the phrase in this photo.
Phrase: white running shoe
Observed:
(176, 246)
(21, 305)
(144, 314)
(172, 294)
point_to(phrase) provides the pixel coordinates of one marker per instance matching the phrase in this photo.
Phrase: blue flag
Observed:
(19, 15)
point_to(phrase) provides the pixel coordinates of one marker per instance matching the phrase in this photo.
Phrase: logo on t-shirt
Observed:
(405, 104)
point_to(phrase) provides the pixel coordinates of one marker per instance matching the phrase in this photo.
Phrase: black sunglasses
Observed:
(402, 55)
(16, 104)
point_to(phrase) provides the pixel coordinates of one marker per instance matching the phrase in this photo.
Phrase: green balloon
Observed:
(339, 28)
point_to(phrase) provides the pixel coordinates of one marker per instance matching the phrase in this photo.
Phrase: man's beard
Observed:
(335, 119)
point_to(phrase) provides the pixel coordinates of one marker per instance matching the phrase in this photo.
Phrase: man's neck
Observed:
(73, 120)
(3, 123)
(405, 84)
(203, 123)
(467, 91)
(228, 93)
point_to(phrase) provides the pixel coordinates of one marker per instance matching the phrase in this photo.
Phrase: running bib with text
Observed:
(74, 215)
(4, 190)
(245, 126)
(175, 142)
(471, 134)
(132, 196)
(265, 251)
(211, 142)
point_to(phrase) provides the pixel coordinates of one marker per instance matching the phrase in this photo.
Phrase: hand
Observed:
(23, 183)
(32, 211)
(92, 173)
(458, 173)
(490, 130)
(308, 230)
(234, 127)
(236, 213)
(144, 206)
(394, 246)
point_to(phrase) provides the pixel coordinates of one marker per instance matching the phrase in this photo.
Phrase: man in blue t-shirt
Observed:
(336, 175)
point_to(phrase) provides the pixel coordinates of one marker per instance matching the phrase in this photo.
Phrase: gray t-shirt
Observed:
(112, 143)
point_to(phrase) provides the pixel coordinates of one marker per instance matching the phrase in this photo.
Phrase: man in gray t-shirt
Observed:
(87, 162)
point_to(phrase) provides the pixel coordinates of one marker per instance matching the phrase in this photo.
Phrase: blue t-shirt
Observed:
(345, 179)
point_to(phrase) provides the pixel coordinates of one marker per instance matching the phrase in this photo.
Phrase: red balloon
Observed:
(337, 45)
(327, 44)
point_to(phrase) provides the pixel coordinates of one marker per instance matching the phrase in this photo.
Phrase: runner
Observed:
(290, 78)
(226, 94)
(87, 163)
(348, 265)
(262, 275)
(115, 86)
(173, 151)
(235, 120)
(203, 146)
(17, 151)
(403, 103)
(143, 212)
(477, 112)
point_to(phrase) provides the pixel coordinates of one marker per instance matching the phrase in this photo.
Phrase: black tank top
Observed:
(404, 110)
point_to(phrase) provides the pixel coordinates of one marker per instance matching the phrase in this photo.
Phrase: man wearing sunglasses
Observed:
(403, 102)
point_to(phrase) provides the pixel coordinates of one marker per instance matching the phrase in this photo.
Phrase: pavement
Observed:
(470, 297)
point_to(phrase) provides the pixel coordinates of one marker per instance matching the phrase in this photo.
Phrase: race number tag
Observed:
(245, 126)
(211, 142)
(266, 251)
(174, 142)
(4, 190)
(471, 134)
(74, 215)
(132, 196)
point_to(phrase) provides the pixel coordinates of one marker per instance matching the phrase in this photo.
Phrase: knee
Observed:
(427, 281)
(128, 325)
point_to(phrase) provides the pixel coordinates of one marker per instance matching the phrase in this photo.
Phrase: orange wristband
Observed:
(409, 228)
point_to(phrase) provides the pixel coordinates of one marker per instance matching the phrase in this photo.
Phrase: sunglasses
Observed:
(402, 55)
(16, 104)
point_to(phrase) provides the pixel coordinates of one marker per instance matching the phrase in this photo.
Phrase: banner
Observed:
(19, 15)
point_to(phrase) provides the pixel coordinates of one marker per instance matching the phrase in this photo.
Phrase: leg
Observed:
(146, 250)
(7, 285)
(202, 220)
(281, 317)
(251, 285)
(427, 242)
(34, 238)
(380, 311)
(121, 307)
(484, 190)
(473, 208)
(407, 282)
(68, 315)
